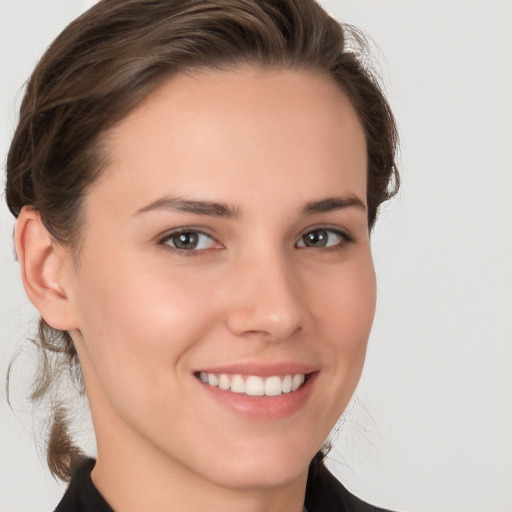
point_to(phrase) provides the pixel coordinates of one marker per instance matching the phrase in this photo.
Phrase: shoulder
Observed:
(81, 495)
(324, 493)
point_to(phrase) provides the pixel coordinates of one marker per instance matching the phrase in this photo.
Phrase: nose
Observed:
(266, 300)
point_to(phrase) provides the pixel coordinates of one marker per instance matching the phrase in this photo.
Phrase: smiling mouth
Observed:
(254, 385)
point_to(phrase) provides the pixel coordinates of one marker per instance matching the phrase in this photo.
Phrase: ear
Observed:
(44, 266)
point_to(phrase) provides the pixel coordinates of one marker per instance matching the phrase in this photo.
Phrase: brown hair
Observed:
(109, 59)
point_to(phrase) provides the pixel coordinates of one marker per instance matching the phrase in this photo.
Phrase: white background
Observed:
(431, 429)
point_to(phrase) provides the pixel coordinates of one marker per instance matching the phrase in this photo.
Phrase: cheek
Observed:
(142, 326)
(136, 317)
(346, 310)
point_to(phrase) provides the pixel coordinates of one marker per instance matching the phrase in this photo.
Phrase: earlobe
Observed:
(42, 265)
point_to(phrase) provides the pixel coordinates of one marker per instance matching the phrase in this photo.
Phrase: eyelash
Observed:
(183, 252)
(346, 239)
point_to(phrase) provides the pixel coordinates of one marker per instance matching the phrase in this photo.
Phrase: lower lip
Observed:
(263, 407)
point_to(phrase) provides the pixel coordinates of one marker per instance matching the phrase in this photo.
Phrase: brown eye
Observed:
(321, 238)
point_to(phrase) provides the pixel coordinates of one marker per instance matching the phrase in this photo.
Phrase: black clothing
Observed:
(323, 494)
(81, 495)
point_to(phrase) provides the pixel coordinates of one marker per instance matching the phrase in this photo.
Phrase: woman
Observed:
(195, 183)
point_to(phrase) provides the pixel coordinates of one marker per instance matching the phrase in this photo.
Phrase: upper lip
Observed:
(261, 369)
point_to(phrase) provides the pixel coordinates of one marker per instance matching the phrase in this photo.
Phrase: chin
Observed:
(262, 469)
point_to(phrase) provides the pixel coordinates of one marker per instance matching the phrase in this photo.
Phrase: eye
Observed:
(189, 241)
(323, 238)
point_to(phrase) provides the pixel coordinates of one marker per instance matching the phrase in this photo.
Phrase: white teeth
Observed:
(297, 381)
(287, 384)
(254, 385)
(273, 386)
(224, 382)
(237, 384)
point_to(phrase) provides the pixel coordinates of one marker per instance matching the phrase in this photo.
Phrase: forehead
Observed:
(234, 132)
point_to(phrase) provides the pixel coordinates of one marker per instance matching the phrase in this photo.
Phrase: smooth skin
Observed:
(279, 272)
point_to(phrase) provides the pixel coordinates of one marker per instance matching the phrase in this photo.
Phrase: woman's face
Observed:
(226, 242)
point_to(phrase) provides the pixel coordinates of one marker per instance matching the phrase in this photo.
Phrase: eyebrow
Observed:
(330, 204)
(215, 209)
(179, 204)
